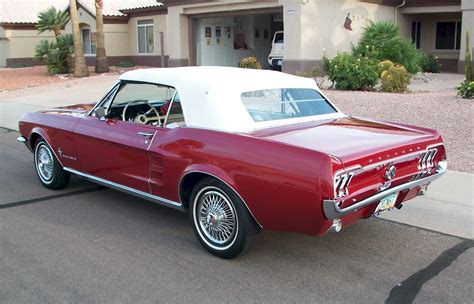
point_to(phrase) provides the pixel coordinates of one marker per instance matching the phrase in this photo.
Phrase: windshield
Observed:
(275, 104)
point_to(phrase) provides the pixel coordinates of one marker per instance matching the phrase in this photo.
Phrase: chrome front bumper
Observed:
(21, 139)
(333, 211)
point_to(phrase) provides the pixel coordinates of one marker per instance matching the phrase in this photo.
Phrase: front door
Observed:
(116, 149)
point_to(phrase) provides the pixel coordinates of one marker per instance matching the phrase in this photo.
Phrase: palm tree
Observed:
(52, 20)
(101, 57)
(80, 67)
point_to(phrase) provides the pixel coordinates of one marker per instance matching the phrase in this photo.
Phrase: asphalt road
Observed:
(88, 244)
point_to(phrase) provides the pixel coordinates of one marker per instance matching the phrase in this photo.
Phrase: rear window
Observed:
(276, 104)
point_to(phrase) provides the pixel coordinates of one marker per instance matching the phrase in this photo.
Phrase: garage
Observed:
(225, 40)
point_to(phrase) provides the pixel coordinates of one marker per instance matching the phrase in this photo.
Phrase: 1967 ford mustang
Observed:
(239, 150)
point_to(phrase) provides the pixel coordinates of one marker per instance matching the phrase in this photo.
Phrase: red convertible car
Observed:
(238, 149)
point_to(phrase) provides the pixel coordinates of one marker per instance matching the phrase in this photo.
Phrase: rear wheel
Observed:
(220, 219)
(48, 168)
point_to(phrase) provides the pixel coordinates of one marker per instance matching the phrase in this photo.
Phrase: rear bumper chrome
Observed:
(333, 211)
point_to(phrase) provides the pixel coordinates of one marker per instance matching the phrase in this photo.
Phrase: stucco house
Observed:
(199, 32)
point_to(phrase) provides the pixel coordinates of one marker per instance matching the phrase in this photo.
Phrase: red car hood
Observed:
(351, 139)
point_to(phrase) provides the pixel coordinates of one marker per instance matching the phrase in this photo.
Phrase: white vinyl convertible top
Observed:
(211, 96)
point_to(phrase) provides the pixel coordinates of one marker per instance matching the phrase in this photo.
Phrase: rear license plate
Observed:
(386, 203)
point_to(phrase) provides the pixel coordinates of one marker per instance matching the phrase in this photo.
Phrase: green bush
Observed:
(430, 63)
(466, 90)
(124, 64)
(351, 72)
(250, 63)
(381, 40)
(55, 54)
(395, 79)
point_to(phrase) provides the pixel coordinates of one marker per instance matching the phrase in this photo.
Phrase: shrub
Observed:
(250, 63)
(55, 54)
(381, 40)
(384, 66)
(466, 90)
(351, 72)
(430, 63)
(395, 79)
(124, 64)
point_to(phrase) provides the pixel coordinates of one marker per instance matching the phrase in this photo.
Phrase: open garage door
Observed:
(224, 41)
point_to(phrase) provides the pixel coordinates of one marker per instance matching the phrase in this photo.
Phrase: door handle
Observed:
(146, 134)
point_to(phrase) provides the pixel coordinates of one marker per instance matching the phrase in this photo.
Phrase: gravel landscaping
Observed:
(440, 110)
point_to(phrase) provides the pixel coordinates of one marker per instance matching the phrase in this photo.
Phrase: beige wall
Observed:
(117, 39)
(159, 25)
(23, 42)
(84, 18)
(318, 25)
(467, 7)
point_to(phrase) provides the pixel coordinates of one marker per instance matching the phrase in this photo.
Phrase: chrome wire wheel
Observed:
(216, 217)
(44, 163)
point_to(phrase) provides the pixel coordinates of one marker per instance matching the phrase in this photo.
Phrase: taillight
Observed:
(341, 184)
(426, 159)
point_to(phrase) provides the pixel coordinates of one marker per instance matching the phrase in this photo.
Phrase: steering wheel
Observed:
(145, 117)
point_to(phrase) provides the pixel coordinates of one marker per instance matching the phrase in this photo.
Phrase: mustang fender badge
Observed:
(390, 172)
(62, 155)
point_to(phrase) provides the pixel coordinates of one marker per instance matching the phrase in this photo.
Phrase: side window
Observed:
(175, 117)
(143, 103)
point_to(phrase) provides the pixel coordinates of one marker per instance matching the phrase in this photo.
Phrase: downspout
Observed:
(396, 9)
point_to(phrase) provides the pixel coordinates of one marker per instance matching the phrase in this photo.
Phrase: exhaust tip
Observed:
(336, 226)
(423, 190)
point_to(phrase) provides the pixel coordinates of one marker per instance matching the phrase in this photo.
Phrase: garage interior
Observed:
(224, 40)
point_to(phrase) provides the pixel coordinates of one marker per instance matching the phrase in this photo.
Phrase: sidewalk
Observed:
(13, 104)
(448, 206)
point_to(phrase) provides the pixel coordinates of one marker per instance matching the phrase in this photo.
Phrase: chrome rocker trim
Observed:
(333, 211)
(146, 196)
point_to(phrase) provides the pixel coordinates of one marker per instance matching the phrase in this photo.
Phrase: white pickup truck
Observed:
(275, 58)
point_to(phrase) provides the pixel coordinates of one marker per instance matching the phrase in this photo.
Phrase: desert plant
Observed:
(395, 79)
(250, 63)
(351, 72)
(52, 20)
(468, 63)
(381, 40)
(466, 89)
(430, 63)
(384, 66)
(55, 54)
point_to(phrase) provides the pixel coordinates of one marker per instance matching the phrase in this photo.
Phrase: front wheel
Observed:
(220, 219)
(48, 168)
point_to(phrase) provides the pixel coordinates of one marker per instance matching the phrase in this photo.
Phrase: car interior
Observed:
(145, 103)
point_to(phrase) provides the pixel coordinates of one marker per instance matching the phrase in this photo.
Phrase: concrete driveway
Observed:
(88, 244)
(91, 244)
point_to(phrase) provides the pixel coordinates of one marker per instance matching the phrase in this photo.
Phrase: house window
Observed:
(145, 37)
(87, 41)
(415, 33)
(448, 35)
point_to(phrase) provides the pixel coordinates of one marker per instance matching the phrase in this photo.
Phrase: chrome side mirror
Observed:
(100, 112)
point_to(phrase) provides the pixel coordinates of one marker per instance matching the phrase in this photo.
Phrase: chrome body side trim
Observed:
(333, 211)
(217, 177)
(144, 195)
